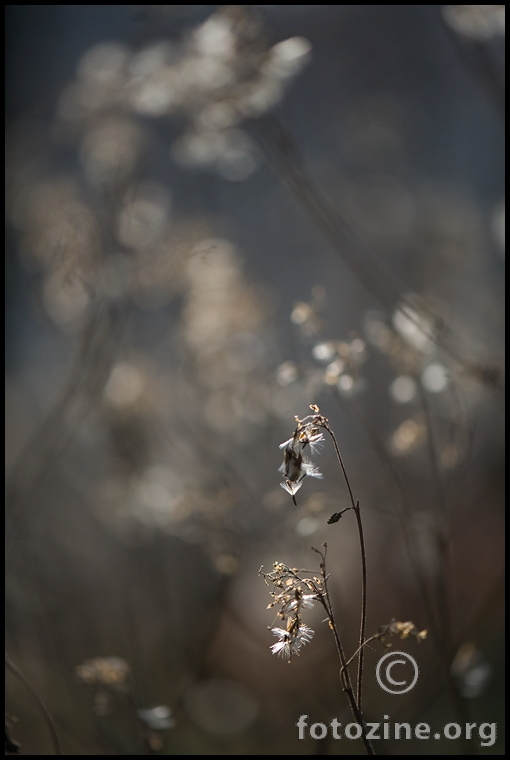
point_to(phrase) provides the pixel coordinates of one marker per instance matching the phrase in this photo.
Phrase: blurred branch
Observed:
(477, 59)
(402, 506)
(42, 707)
(356, 251)
(88, 374)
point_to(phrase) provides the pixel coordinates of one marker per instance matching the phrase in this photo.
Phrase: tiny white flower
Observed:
(291, 487)
(311, 469)
(282, 634)
(313, 437)
(292, 464)
(283, 649)
(304, 634)
(315, 440)
(291, 641)
(295, 466)
(303, 600)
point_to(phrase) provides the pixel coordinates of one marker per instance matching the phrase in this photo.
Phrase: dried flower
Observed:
(110, 671)
(403, 630)
(292, 593)
(292, 601)
(295, 466)
(310, 436)
(291, 641)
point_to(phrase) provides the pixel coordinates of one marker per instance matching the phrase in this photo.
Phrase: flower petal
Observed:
(291, 487)
(310, 469)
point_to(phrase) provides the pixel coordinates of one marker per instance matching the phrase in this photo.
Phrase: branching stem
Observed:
(345, 677)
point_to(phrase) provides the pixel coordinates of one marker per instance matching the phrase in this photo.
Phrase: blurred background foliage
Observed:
(217, 216)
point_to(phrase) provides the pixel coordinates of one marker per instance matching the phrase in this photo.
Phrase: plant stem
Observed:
(44, 710)
(345, 677)
(375, 637)
(363, 622)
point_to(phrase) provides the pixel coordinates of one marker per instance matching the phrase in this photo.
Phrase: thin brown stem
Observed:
(402, 508)
(375, 637)
(345, 677)
(44, 710)
(363, 622)
(443, 544)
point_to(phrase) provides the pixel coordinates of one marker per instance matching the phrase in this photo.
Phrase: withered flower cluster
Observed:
(401, 629)
(296, 466)
(109, 671)
(291, 593)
